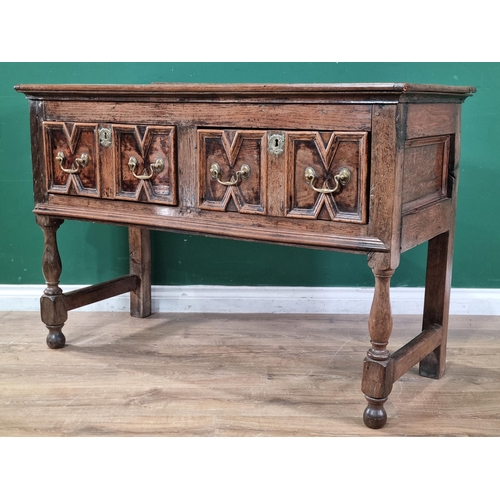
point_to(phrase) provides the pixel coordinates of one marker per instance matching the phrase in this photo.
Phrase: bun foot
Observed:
(375, 416)
(56, 340)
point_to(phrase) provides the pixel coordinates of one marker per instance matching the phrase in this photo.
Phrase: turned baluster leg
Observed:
(52, 303)
(140, 265)
(377, 369)
(437, 300)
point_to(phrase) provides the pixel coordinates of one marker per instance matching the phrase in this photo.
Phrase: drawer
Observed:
(302, 174)
(327, 175)
(144, 163)
(125, 162)
(232, 170)
(72, 158)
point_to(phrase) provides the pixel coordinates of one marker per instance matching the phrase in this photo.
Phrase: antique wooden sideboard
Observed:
(365, 168)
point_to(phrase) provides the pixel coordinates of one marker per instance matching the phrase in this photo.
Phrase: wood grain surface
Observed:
(236, 375)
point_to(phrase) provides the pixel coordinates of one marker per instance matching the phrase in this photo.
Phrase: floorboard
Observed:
(235, 375)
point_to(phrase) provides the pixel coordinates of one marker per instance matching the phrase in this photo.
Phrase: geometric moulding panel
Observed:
(145, 163)
(327, 155)
(71, 158)
(238, 183)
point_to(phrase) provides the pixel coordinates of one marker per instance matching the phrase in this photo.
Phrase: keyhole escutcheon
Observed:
(105, 137)
(276, 143)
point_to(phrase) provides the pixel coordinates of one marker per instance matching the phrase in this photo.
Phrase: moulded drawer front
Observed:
(232, 170)
(327, 175)
(71, 158)
(144, 163)
(240, 170)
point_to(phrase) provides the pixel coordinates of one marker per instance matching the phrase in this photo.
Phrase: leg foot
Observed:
(375, 416)
(52, 303)
(378, 367)
(56, 340)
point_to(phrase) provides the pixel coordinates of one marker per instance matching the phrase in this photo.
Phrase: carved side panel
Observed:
(328, 153)
(231, 150)
(145, 163)
(426, 171)
(71, 158)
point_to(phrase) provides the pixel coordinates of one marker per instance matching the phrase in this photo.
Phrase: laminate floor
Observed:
(235, 375)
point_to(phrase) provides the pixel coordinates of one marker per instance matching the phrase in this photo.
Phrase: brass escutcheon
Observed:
(105, 137)
(276, 144)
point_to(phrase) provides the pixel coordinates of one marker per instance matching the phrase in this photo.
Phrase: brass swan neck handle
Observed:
(242, 173)
(341, 179)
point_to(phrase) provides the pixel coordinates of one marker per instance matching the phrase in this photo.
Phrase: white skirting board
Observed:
(285, 300)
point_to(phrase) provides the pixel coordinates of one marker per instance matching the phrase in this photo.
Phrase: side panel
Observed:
(430, 171)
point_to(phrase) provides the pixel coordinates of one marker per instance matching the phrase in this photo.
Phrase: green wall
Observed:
(94, 252)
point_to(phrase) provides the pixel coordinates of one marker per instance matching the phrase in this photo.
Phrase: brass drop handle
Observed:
(79, 163)
(155, 167)
(341, 179)
(242, 173)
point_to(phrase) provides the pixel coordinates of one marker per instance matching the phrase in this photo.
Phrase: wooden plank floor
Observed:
(235, 375)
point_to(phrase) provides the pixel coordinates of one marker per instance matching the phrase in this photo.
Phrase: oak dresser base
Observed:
(364, 168)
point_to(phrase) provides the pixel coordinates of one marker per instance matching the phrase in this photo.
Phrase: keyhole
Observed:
(276, 144)
(105, 136)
